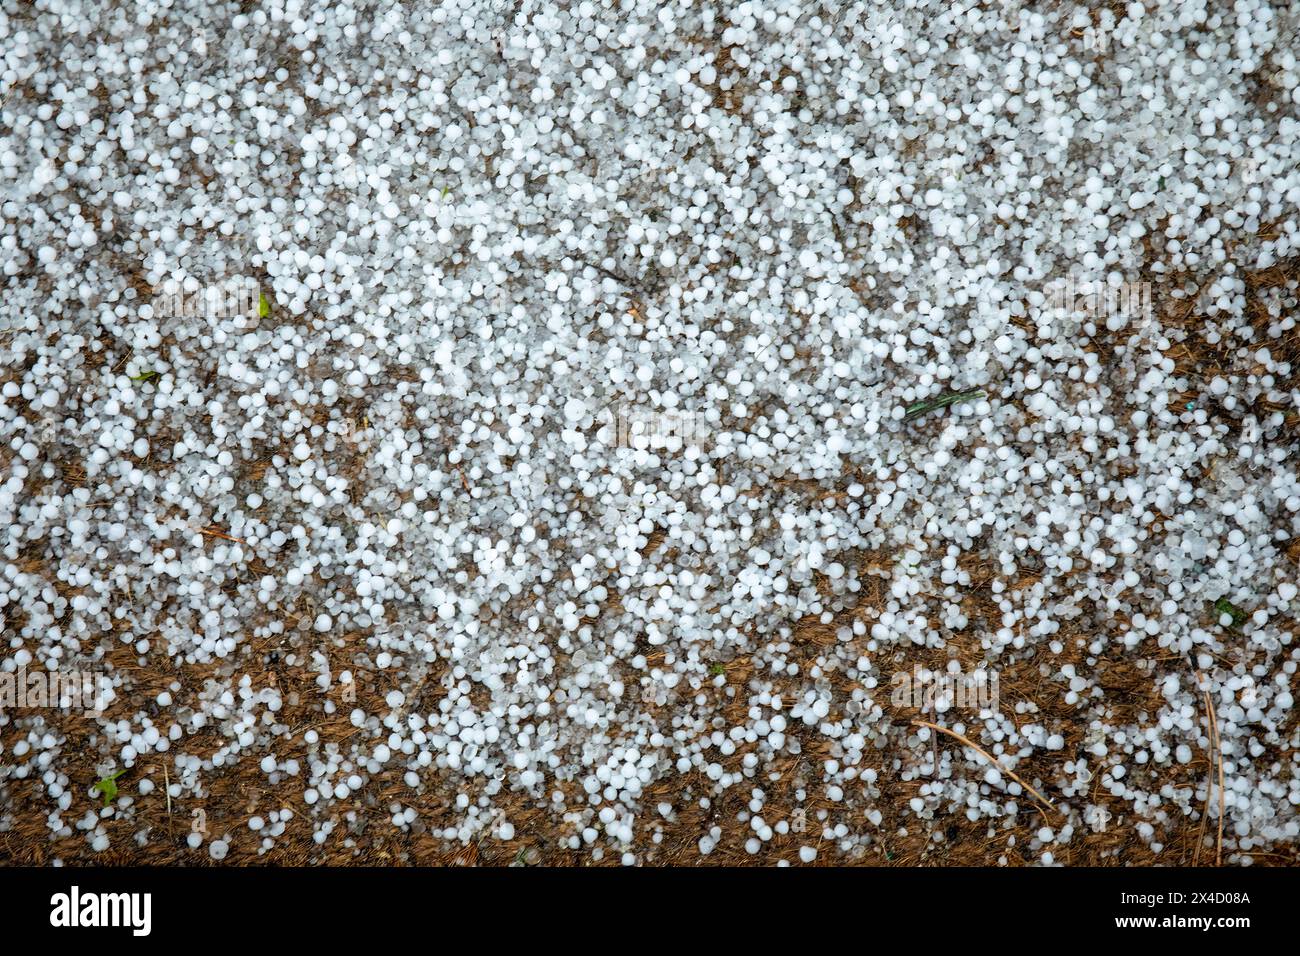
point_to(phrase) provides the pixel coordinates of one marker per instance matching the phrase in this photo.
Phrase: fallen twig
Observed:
(1216, 758)
(985, 754)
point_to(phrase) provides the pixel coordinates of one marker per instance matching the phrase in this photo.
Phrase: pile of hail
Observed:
(613, 430)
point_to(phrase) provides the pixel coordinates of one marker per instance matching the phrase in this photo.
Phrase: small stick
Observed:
(982, 752)
(1216, 757)
(616, 276)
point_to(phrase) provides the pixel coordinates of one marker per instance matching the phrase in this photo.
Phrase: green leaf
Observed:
(144, 376)
(1224, 606)
(717, 670)
(917, 409)
(107, 787)
(263, 306)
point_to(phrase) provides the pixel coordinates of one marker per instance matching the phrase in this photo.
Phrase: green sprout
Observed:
(107, 786)
(717, 670)
(263, 306)
(144, 376)
(527, 856)
(446, 191)
(1224, 606)
(917, 409)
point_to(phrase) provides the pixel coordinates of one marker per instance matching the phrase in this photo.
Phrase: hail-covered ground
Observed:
(632, 399)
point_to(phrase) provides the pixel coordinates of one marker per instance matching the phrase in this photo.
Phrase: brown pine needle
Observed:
(1209, 786)
(167, 790)
(1205, 815)
(984, 753)
(220, 534)
(1216, 757)
(1218, 752)
(466, 855)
